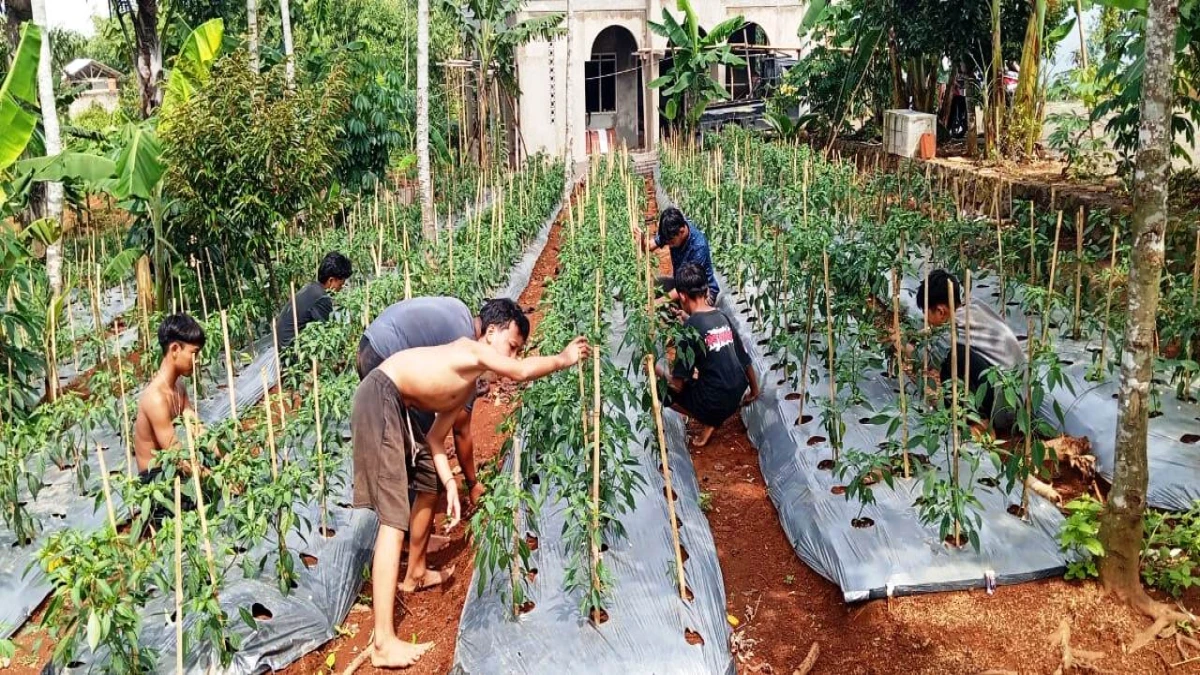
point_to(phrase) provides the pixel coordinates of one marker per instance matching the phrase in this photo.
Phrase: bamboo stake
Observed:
(212, 270)
(126, 435)
(662, 451)
(295, 314)
(596, 468)
(954, 399)
(1000, 263)
(320, 447)
(1079, 222)
(516, 558)
(200, 284)
(270, 426)
(1050, 288)
(925, 349)
(278, 374)
(967, 326)
(900, 367)
(74, 341)
(812, 290)
(108, 502)
(1032, 244)
(829, 347)
(228, 366)
(1112, 273)
(1196, 271)
(195, 465)
(583, 404)
(178, 579)
(1029, 416)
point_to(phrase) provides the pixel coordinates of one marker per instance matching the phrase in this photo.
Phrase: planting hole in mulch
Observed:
(792, 396)
(815, 440)
(683, 552)
(63, 516)
(239, 549)
(535, 479)
(1155, 413)
(956, 543)
(1022, 337)
(780, 382)
(526, 607)
(763, 343)
(604, 548)
(688, 594)
(327, 532)
(745, 311)
(752, 320)
(804, 419)
(794, 328)
(778, 366)
(1016, 510)
(1159, 381)
(692, 637)
(1013, 303)
(309, 560)
(838, 489)
(343, 505)
(862, 523)
(75, 664)
(1093, 350)
(531, 541)
(989, 482)
(983, 286)
(599, 616)
(260, 612)
(1066, 362)
(865, 420)
(531, 575)
(825, 465)
(670, 494)
(1190, 439)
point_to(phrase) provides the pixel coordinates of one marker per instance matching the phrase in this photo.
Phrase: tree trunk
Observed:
(285, 14)
(481, 99)
(898, 99)
(972, 124)
(569, 150)
(997, 98)
(16, 12)
(1083, 49)
(1121, 522)
(423, 172)
(252, 33)
(53, 142)
(1024, 126)
(149, 64)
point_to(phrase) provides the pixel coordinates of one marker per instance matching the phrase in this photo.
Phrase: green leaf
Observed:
(815, 13)
(140, 164)
(18, 92)
(93, 631)
(248, 618)
(194, 63)
(68, 166)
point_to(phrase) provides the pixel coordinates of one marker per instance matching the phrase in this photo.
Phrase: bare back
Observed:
(436, 379)
(158, 408)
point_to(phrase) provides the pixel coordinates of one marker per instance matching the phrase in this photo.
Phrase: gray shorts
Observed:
(383, 440)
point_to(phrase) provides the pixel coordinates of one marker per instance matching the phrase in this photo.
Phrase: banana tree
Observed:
(689, 85)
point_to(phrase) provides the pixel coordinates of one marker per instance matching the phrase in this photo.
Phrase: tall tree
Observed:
(1121, 522)
(53, 142)
(423, 174)
(252, 32)
(148, 52)
(285, 15)
(1023, 124)
(996, 100)
(15, 13)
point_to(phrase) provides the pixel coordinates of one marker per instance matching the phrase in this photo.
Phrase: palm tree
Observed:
(285, 14)
(54, 190)
(423, 177)
(252, 33)
(689, 85)
(491, 32)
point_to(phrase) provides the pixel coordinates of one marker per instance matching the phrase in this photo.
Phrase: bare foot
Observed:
(398, 654)
(436, 543)
(701, 438)
(431, 579)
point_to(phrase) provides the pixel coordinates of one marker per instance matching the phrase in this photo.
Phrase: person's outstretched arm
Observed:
(436, 438)
(533, 367)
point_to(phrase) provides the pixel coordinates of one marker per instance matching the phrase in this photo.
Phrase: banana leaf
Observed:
(17, 94)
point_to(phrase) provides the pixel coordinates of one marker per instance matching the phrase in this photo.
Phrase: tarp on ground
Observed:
(645, 631)
(898, 554)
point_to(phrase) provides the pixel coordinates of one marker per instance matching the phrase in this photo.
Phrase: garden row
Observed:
(592, 553)
(272, 503)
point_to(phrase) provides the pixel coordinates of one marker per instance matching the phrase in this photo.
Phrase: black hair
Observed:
(500, 312)
(334, 266)
(180, 328)
(691, 280)
(670, 223)
(939, 294)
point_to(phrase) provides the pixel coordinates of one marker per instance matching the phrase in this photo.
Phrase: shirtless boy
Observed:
(439, 380)
(165, 398)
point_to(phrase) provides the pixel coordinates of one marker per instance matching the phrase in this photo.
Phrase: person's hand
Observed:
(476, 493)
(453, 506)
(576, 351)
(750, 397)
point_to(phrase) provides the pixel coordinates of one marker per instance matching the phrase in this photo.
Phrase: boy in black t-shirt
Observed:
(713, 385)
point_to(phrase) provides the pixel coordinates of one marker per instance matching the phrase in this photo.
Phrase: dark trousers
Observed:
(1002, 417)
(368, 359)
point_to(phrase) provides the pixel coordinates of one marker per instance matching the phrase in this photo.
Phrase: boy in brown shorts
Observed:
(439, 380)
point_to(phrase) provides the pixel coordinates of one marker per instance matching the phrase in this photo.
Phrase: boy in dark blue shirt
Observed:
(688, 245)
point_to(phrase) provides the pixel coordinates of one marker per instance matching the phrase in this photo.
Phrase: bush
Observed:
(245, 156)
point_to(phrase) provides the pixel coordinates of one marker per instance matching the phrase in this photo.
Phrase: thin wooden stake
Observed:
(516, 542)
(900, 368)
(320, 447)
(270, 425)
(1029, 416)
(195, 465)
(278, 374)
(1079, 222)
(228, 366)
(1050, 288)
(178, 579)
(832, 369)
(662, 452)
(595, 468)
(108, 502)
(954, 400)
(812, 291)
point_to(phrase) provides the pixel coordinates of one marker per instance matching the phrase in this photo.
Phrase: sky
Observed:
(75, 14)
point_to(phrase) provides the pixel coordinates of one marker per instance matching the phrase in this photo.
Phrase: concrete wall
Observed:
(545, 100)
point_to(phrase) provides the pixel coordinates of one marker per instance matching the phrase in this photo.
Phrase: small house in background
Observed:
(100, 83)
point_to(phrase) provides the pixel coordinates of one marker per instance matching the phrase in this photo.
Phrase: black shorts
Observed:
(701, 408)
